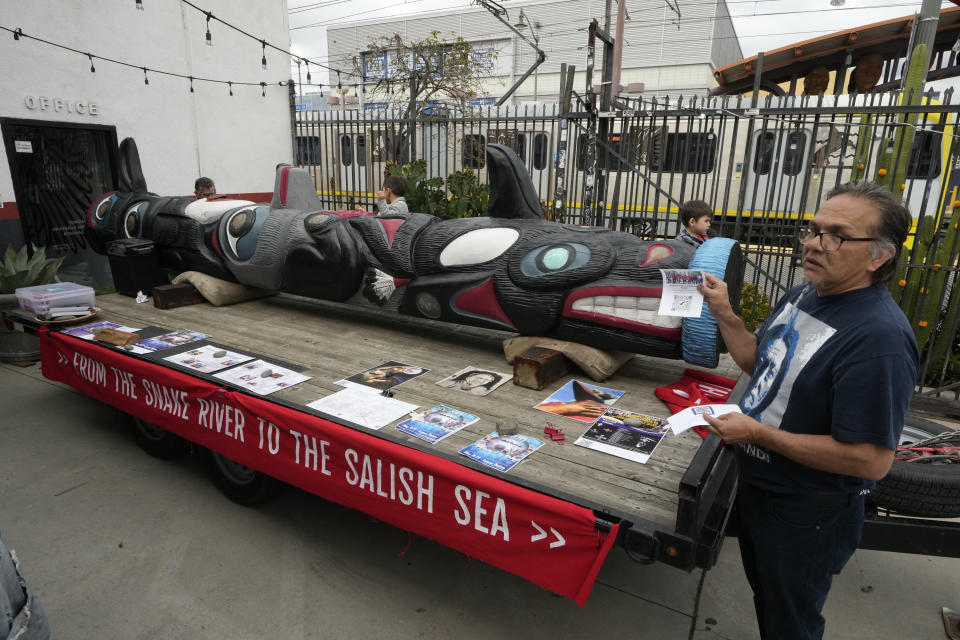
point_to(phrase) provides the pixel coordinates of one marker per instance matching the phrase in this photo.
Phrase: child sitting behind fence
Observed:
(390, 198)
(695, 216)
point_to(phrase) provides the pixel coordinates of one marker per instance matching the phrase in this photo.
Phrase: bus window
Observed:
(506, 137)
(474, 151)
(924, 159)
(763, 154)
(346, 151)
(793, 155)
(539, 151)
(521, 147)
(362, 150)
(308, 150)
(689, 152)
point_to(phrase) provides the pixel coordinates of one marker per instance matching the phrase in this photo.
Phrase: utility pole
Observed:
(925, 32)
(618, 48)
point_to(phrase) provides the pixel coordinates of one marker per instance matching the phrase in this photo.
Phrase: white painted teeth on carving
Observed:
(628, 308)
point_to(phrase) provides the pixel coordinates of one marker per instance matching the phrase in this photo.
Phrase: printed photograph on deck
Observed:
(625, 434)
(501, 452)
(475, 380)
(208, 358)
(580, 401)
(384, 376)
(433, 425)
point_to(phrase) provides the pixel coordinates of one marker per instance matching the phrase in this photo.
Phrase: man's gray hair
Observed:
(895, 221)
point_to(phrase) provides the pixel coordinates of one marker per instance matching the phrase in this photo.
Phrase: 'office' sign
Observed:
(61, 105)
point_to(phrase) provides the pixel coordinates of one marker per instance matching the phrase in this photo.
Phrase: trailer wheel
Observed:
(240, 483)
(156, 441)
(924, 488)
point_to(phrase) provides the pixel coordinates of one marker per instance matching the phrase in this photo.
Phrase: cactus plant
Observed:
(889, 172)
(942, 341)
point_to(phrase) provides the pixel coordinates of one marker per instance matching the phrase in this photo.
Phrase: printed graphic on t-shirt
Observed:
(788, 345)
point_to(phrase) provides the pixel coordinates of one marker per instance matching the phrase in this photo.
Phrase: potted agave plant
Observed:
(16, 271)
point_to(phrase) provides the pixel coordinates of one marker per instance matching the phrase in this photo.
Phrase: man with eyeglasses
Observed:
(833, 370)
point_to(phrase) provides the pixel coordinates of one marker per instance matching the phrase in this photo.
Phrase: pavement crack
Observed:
(653, 602)
(76, 486)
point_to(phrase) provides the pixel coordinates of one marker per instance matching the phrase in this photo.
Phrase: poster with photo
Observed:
(580, 401)
(433, 425)
(208, 358)
(625, 434)
(86, 331)
(167, 340)
(383, 376)
(475, 380)
(261, 377)
(501, 452)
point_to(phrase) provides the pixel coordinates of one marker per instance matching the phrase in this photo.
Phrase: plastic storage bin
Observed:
(135, 266)
(40, 298)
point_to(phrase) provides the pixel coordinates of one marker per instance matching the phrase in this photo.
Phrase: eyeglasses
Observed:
(830, 242)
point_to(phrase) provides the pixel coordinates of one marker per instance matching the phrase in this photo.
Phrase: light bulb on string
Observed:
(308, 69)
(145, 79)
(263, 57)
(209, 37)
(140, 4)
(17, 33)
(93, 69)
(191, 84)
(263, 89)
(230, 84)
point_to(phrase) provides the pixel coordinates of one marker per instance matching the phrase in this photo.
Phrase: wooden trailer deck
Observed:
(672, 509)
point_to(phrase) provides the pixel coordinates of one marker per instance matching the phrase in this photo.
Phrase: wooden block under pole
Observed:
(537, 367)
(171, 296)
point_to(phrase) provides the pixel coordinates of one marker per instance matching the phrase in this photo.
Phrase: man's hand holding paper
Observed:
(697, 416)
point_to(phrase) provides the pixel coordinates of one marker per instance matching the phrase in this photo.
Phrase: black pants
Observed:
(791, 550)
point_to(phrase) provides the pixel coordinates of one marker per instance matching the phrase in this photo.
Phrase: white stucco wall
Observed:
(235, 140)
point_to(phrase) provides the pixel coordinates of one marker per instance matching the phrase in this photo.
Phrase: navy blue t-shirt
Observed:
(843, 365)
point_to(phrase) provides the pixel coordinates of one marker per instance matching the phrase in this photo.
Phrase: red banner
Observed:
(548, 541)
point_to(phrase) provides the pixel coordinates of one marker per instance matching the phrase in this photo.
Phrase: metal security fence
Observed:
(764, 166)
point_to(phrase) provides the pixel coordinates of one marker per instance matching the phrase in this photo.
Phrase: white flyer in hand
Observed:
(693, 416)
(681, 296)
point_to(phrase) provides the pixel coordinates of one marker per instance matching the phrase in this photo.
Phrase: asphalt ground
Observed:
(121, 545)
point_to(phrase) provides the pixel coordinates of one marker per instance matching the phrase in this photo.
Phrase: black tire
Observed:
(156, 441)
(923, 489)
(240, 483)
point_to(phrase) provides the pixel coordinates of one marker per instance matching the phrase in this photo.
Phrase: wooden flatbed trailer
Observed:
(673, 509)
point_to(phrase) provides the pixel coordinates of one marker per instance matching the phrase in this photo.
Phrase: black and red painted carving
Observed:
(512, 271)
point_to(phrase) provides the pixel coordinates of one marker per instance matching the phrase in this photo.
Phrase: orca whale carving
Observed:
(512, 271)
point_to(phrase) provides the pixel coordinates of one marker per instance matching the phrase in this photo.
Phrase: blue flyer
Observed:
(436, 424)
(501, 452)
